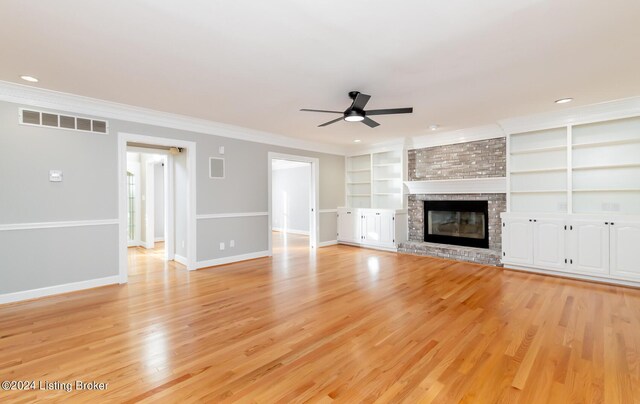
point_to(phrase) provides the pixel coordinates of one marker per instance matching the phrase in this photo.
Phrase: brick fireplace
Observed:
(464, 161)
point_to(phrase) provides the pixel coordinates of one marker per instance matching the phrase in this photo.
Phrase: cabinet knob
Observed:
(612, 223)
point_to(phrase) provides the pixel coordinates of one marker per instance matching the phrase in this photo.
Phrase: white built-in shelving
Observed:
(375, 180)
(586, 168)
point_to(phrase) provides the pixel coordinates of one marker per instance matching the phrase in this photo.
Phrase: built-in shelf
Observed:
(541, 191)
(369, 180)
(539, 150)
(539, 170)
(608, 190)
(608, 166)
(606, 143)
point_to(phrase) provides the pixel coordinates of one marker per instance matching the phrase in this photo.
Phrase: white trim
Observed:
(604, 111)
(158, 239)
(180, 259)
(314, 222)
(497, 185)
(327, 243)
(57, 289)
(457, 136)
(291, 231)
(55, 225)
(190, 147)
(234, 258)
(328, 211)
(571, 275)
(43, 98)
(225, 215)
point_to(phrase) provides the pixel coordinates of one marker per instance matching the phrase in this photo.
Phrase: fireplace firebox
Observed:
(463, 223)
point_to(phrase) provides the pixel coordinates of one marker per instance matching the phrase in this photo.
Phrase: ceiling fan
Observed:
(356, 112)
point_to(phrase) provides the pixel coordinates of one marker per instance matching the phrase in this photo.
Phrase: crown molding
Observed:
(55, 100)
(604, 111)
(456, 136)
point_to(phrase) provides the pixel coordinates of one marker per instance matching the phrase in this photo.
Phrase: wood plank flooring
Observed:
(343, 325)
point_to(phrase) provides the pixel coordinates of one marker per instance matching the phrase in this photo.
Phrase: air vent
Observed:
(39, 118)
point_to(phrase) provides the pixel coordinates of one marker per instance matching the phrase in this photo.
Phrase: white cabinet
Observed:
(549, 243)
(517, 240)
(349, 225)
(625, 247)
(588, 246)
(376, 228)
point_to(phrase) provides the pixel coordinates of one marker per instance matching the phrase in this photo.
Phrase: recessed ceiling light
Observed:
(434, 127)
(563, 100)
(357, 141)
(30, 79)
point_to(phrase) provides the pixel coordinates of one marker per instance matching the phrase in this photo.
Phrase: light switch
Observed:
(221, 149)
(55, 175)
(221, 246)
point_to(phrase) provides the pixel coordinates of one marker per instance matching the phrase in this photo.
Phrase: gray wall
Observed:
(90, 191)
(290, 189)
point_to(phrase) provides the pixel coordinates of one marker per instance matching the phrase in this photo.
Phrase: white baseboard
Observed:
(291, 231)
(327, 243)
(234, 258)
(57, 289)
(369, 246)
(158, 239)
(180, 259)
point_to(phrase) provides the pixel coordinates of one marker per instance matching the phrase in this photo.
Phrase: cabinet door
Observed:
(349, 225)
(625, 244)
(548, 243)
(517, 241)
(387, 228)
(588, 247)
(371, 227)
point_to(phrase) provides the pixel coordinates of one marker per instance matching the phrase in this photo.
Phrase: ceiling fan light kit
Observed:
(357, 113)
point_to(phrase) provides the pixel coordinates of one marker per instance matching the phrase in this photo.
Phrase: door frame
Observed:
(190, 148)
(314, 197)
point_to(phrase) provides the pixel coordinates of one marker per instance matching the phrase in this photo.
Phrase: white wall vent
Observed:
(216, 168)
(39, 118)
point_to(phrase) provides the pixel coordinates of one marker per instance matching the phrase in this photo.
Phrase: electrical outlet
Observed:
(232, 243)
(221, 246)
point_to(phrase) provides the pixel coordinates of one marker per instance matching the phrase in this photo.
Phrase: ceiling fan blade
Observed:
(370, 122)
(390, 111)
(321, 110)
(360, 101)
(330, 122)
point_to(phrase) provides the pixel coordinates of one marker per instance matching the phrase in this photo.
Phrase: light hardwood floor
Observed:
(344, 325)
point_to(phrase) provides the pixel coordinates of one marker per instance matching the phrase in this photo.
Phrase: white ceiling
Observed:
(459, 63)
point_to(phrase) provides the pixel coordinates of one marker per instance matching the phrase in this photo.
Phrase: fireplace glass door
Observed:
(457, 222)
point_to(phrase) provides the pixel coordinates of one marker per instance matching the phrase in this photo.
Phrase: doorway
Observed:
(293, 202)
(156, 203)
(147, 196)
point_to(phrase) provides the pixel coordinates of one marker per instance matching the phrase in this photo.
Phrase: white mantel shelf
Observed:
(497, 185)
